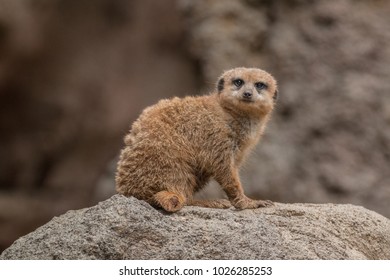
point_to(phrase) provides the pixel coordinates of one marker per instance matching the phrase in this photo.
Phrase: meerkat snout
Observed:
(247, 95)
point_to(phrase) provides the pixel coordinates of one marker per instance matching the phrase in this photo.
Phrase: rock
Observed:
(126, 228)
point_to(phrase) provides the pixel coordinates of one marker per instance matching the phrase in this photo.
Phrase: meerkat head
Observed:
(248, 89)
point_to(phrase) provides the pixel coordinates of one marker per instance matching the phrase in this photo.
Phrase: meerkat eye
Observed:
(238, 82)
(260, 85)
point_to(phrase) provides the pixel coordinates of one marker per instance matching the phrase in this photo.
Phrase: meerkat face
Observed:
(248, 88)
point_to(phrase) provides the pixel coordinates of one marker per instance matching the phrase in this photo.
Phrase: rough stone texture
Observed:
(126, 228)
(328, 140)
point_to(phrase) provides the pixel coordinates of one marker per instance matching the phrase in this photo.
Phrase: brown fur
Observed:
(177, 145)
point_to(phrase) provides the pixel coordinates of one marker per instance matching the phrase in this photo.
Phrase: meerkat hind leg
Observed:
(169, 201)
(217, 203)
(247, 203)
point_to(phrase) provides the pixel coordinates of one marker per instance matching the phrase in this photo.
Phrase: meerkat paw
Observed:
(247, 203)
(264, 203)
(169, 201)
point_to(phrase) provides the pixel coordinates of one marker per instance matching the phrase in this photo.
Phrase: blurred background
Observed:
(74, 75)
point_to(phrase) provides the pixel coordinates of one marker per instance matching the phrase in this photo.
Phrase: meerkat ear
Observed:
(220, 85)
(275, 97)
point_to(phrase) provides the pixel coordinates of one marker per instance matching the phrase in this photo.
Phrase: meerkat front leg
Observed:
(230, 182)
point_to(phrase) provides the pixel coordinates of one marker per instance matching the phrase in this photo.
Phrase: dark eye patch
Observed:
(238, 82)
(260, 85)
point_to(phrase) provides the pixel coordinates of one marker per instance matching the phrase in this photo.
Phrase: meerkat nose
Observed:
(247, 95)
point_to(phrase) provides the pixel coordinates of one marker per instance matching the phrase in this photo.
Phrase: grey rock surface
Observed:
(126, 228)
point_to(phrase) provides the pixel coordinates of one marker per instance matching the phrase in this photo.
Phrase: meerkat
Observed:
(176, 146)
